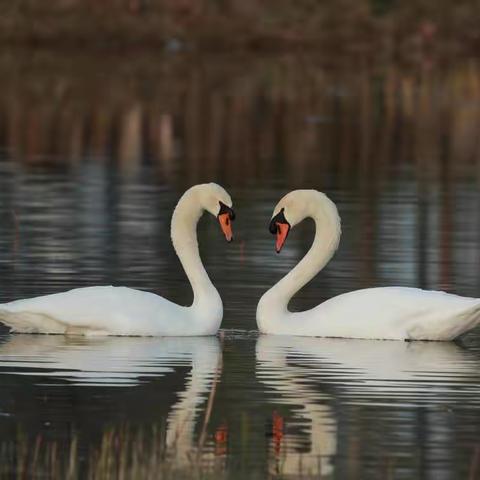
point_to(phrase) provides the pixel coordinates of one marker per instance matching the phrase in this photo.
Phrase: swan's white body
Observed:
(393, 313)
(110, 310)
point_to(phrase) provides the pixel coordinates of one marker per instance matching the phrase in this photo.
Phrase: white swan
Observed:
(394, 313)
(110, 310)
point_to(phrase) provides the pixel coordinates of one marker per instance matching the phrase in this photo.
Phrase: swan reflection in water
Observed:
(124, 362)
(308, 374)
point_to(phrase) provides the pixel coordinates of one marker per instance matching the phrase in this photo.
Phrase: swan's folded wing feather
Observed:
(395, 313)
(100, 310)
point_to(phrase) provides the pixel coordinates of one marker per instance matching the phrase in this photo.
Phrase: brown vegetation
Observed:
(123, 453)
(378, 26)
(241, 118)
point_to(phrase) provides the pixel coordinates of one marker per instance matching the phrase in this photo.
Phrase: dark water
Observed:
(94, 153)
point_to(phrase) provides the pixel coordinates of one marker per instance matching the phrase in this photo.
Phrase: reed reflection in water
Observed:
(358, 398)
(94, 153)
(315, 408)
(116, 362)
(240, 118)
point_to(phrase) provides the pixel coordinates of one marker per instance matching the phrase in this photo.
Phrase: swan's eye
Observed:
(225, 209)
(280, 227)
(279, 218)
(273, 227)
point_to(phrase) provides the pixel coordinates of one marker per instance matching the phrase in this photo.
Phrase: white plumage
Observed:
(393, 313)
(107, 310)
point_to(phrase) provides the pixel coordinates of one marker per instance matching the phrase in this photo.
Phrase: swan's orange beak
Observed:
(226, 225)
(226, 216)
(280, 227)
(282, 234)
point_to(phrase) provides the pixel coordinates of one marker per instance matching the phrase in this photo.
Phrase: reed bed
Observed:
(123, 453)
(376, 26)
(240, 118)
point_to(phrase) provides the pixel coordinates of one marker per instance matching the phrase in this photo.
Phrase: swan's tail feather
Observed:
(27, 322)
(451, 326)
(468, 320)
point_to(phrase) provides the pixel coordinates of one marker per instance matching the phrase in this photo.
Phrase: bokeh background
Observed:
(110, 110)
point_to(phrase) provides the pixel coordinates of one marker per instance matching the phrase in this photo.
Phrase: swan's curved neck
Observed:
(327, 237)
(184, 238)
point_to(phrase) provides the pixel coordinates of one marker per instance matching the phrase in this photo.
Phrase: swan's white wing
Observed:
(389, 313)
(97, 310)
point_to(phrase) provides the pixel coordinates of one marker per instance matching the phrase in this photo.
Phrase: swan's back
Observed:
(104, 310)
(391, 313)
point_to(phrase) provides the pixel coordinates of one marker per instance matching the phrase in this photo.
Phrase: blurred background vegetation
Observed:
(385, 27)
(110, 108)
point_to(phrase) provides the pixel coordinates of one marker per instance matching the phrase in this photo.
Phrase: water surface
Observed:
(93, 157)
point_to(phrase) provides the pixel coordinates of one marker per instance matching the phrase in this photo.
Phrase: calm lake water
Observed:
(94, 154)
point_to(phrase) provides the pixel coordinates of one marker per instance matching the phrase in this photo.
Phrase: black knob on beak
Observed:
(278, 218)
(224, 209)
